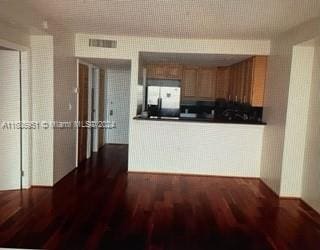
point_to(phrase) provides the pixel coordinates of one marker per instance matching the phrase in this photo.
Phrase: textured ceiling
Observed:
(241, 19)
(207, 19)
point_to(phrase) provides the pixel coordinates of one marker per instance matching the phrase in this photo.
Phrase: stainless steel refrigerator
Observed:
(164, 96)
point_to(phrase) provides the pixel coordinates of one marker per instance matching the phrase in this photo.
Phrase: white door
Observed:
(9, 111)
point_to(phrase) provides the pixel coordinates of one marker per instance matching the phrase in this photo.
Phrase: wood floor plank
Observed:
(101, 206)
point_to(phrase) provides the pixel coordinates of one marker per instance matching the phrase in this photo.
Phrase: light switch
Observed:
(70, 106)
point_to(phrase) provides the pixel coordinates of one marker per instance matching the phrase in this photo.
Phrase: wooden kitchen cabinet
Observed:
(237, 82)
(164, 71)
(247, 81)
(156, 71)
(206, 85)
(242, 82)
(259, 70)
(222, 83)
(174, 72)
(232, 83)
(189, 83)
(199, 83)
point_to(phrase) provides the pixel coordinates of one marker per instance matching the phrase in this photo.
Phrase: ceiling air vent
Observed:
(102, 43)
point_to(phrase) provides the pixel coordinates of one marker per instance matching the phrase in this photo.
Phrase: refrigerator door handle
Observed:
(159, 103)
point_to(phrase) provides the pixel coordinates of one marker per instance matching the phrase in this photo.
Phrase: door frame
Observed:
(95, 86)
(26, 110)
(90, 78)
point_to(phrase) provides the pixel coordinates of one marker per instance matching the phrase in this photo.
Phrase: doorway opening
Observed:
(103, 104)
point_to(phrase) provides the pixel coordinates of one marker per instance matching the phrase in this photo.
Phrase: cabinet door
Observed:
(189, 83)
(248, 81)
(258, 82)
(231, 84)
(242, 81)
(174, 72)
(222, 83)
(214, 83)
(160, 71)
(233, 88)
(156, 71)
(238, 83)
(150, 71)
(205, 83)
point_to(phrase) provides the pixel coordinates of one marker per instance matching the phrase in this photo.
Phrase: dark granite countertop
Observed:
(204, 120)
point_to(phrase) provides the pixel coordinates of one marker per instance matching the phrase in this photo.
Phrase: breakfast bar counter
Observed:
(195, 146)
(198, 119)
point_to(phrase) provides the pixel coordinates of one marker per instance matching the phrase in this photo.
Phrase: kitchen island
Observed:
(195, 146)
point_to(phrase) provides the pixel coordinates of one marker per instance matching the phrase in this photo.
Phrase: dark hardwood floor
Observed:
(100, 206)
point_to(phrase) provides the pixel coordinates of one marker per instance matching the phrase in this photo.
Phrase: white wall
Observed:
(276, 100)
(42, 108)
(53, 84)
(129, 46)
(65, 103)
(311, 169)
(296, 121)
(117, 99)
(196, 148)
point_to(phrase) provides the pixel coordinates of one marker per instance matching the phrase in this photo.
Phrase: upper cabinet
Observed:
(189, 83)
(199, 83)
(222, 83)
(164, 71)
(247, 81)
(259, 70)
(206, 83)
(174, 72)
(242, 82)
